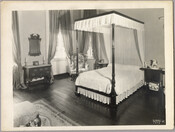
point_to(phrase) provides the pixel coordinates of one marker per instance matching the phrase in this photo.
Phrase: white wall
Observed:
(59, 66)
(32, 22)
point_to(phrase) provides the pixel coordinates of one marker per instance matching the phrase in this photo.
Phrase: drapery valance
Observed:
(93, 24)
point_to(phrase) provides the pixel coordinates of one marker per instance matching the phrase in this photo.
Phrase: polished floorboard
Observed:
(144, 107)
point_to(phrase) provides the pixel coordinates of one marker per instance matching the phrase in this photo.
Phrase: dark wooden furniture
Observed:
(154, 75)
(101, 65)
(34, 75)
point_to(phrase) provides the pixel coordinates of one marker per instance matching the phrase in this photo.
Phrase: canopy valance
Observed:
(94, 24)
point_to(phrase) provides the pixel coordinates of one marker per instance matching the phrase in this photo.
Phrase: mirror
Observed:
(34, 45)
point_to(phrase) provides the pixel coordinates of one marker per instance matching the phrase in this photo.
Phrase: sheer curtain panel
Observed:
(53, 32)
(66, 30)
(126, 46)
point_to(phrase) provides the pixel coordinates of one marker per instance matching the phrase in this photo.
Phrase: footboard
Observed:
(103, 98)
(92, 90)
(94, 94)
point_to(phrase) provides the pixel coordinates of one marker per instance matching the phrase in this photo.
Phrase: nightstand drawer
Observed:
(153, 76)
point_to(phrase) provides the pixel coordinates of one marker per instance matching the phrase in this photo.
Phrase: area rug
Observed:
(51, 116)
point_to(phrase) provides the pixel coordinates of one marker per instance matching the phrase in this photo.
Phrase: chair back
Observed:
(82, 61)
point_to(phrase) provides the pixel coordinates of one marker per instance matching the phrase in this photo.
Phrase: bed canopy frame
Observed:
(93, 24)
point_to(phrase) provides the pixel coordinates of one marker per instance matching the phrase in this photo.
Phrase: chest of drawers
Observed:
(34, 75)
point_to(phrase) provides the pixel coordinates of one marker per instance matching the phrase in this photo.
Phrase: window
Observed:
(90, 52)
(60, 49)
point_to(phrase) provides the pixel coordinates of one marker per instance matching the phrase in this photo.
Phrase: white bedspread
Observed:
(126, 77)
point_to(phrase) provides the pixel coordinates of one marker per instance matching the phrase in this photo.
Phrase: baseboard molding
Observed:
(61, 76)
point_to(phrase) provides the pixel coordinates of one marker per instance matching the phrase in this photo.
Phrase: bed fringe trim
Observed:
(105, 99)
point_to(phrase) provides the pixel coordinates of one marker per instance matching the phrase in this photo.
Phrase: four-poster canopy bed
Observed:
(102, 85)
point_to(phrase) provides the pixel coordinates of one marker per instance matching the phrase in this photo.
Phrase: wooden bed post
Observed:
(113, 93)
(77, 53)
(77, 69)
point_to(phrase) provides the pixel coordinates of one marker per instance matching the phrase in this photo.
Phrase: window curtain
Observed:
(94, 36)
(86, 42)
(99, 49)
(103, 53)
(95, 48)
(81, 41)
(85, 39)
(66, 30)
(53, 32)
(17, 68)
(126, 47)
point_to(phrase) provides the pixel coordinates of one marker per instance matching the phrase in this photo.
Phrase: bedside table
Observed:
(101, 65)
(154, 76)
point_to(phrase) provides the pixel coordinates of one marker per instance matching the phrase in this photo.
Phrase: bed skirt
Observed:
(105, 99)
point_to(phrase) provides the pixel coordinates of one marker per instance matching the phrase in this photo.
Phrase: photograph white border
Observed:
(6, 56)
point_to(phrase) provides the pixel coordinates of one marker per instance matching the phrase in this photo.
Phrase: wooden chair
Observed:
(82, 65)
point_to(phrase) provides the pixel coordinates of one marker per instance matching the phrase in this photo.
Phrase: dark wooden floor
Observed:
(142, 108)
